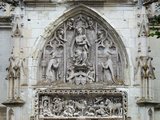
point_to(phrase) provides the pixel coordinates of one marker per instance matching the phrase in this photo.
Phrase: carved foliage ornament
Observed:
(81, 51)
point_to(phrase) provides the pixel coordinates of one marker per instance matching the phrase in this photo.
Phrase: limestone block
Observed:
(129, 14)
(32, 15)
(132, 23)
(43, 15)
(120, 23)
(114, 14)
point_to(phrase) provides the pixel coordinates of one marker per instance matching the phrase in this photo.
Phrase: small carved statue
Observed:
(10, 69)
(82, 48)
(91, 75)
(108, 73)
(46, 108)
(60, 35)
(53, 65)
(70, 24)
(90, 23)
(146, 71)
(101, 37)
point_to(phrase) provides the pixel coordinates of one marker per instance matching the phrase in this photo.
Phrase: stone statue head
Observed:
(80, 30)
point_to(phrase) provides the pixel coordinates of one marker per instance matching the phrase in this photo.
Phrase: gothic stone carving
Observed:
(146, 71)
(14, 73)
(80, 103)
(81, 51)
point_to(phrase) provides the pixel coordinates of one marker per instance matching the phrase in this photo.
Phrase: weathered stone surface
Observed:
(60, 70)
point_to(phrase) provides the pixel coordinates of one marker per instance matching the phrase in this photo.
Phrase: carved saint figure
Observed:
(108, 71)
(46, 109)
(82, 48)
(10, 69)
(53, 65)
(146, 72)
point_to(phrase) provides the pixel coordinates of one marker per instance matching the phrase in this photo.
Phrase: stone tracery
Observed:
(81, 47)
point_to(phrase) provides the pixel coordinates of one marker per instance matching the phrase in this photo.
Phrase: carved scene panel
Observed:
(88, 104)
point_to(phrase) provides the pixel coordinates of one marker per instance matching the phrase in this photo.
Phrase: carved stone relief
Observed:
(80, 103)
(15, 70)
(81, 51)
(145, 70)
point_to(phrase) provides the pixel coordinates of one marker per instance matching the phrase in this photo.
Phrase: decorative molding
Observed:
(147, 102)
(5, 22)
(13, 103)
(86, 2)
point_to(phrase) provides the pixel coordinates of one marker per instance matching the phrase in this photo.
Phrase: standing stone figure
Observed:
(108, 71)
(108, 74)
(52, 68)
(82, 47)
(11, 78)
(146, 71)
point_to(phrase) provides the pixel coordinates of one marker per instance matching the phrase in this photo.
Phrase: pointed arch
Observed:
(55, 27)
(80, 9)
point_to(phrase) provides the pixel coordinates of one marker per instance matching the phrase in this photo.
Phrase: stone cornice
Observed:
(5, 21)
(87, 2)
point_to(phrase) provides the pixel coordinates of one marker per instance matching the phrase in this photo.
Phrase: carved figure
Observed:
(101, 109)
(14, 71)
(81, 105)
(108, 70)
(46, 109)
(70, 24)
(69, 109)
(91, 75)
(53, 65)
(57, 106)
(60, 35)
(10, 69)
(113, 107)
(146, 71)
(100, 38)
(90, 23)
(82, 48)
(151, 68)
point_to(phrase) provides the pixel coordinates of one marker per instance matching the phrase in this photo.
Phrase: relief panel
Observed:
(81, 51)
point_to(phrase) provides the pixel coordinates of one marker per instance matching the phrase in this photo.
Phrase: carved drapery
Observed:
(82, 51)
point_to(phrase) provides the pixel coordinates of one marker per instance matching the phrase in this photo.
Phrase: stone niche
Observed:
(82, 62)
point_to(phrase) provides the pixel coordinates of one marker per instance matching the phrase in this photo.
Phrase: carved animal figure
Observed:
(80, 105)
(112, 107)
